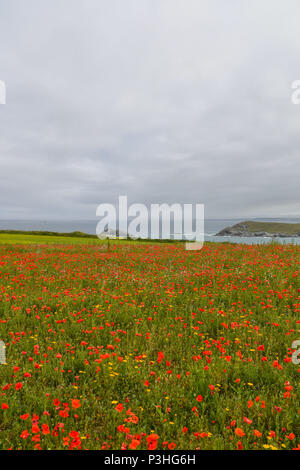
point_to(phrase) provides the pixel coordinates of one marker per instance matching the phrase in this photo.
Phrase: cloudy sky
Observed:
(162, 100)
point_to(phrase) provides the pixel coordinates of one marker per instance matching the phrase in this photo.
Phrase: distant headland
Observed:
(251, 228)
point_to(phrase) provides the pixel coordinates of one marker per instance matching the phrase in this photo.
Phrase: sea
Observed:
(211, 227)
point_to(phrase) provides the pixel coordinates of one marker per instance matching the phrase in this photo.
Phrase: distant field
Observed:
(74, 238)
(13, 238)
(43, 237)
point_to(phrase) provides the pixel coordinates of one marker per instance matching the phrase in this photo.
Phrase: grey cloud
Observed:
(162, 100)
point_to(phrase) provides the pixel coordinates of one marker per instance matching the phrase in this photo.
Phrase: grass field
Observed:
(145, 346)
(19, 239)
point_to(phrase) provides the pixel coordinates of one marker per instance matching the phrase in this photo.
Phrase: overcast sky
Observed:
(162, 100)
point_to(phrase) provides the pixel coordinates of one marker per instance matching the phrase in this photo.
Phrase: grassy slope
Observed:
(6, 238)
(271, 227)
(74, 238)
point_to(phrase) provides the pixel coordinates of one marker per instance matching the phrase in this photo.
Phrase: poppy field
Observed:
(149, 346)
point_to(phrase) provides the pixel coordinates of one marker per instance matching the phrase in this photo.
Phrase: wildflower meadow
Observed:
(149, 346)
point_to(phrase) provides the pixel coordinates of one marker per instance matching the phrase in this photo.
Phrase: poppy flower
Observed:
(239, 432)
(45, 429)
(24, 434)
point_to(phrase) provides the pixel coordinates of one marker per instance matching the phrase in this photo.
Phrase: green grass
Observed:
(13, 238)
(76, 234)
(271, 227)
